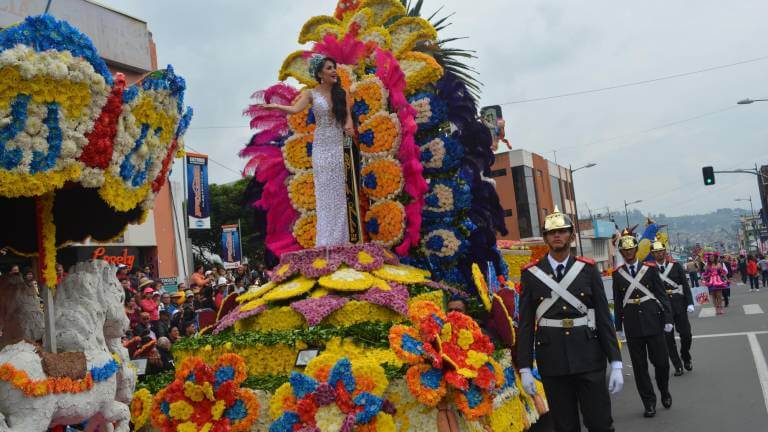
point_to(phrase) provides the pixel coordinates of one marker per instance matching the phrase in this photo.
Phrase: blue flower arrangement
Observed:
(441, 154)
(11, 158)
(431, 111)
(43, 33)
(446, 197)
(103, 373)
(45, 161)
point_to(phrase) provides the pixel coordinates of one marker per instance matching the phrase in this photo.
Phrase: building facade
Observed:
(529, 188)
(126, 44)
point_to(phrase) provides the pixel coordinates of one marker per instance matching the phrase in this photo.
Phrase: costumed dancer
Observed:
(643, 311)
(564, 310)
(332, 121)
(679, 293)
(715, 278)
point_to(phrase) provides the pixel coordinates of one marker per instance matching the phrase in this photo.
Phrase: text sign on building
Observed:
(231, 254)
(119, 38)
(198, 197)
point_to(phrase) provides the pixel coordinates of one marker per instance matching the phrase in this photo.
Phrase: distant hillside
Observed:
(716, 228)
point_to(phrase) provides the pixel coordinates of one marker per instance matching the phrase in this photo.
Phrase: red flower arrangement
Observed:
(98, 152)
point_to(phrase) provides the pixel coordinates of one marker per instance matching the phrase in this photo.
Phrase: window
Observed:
(498, 173)
(527, 203)
(567, 190)
(557, 198)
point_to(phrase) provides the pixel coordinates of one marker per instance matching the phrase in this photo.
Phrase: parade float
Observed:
(82, 155)
(357, 337)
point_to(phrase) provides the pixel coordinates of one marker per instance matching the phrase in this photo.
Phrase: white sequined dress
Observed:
(328, 173)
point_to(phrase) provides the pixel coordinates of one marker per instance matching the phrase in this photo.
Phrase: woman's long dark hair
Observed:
(338, 95)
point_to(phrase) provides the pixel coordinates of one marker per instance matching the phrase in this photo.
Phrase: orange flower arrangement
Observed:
(380, 135)
(368, 98)
(301, 189)
(30, 388)
(298, 122)
(304, 230)
(382, 179)
(297, 152)
(385, 222)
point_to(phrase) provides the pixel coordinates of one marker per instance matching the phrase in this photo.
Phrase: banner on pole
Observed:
(231, 254)
(198, 203)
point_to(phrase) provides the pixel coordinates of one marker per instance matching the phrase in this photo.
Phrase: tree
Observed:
(227, 208)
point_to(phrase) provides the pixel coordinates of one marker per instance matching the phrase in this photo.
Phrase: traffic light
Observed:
(709, 175)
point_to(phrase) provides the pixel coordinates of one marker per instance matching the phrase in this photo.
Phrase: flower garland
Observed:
(141, 408)
(44, 387)
(447, 350)
(341, 395)
(204, 397)
(385, 222)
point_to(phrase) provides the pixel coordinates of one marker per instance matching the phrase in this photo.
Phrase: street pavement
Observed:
(728, 387)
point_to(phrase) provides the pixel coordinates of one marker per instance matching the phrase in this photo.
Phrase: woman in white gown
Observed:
(332, 121)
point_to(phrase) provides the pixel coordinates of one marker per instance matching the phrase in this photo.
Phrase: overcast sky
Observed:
(529, 49)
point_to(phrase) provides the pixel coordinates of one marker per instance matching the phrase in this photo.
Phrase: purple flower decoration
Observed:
(365, 257)
(388, 407)
(349, 423)
(315, 310)
(234, 316)
(395, 299)
(309, 428)
(325, 394)
(315, 263)
(445, 287)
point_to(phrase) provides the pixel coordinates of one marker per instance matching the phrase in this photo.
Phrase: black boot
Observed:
(650, 411)
(678, 371)
(688, 365)
(666, 400)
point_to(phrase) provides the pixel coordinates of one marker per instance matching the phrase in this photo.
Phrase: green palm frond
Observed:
(451, 59)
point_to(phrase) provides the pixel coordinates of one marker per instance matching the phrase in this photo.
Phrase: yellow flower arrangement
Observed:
(383, 10)
(259, 360)
(181, 410)
(14, 184)
(120, 197)
(329, 418)
(420, 70)
(408, 31)
(298, 122)
(346, 76)
(293, 288)
(411, 414)
(281, 400)
(508, 416)
(380, 135)
(47, 237)
(141, 405)
(281, 318)
(301, 190)
(347, 279)
(370, 91)
(516, 260)
(379, 35)
(336, 348)
(296, 66)
(382, 179)
(296, 152)
(482, 287)
(304, 230)
(253, 304)
(385, 222)
(358, 311)
(310, 31)
(254, 292)
(401, 274)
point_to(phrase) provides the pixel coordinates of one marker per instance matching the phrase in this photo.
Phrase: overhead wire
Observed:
(635, 83)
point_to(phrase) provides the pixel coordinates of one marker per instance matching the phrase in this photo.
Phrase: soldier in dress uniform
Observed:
(564, 315)
(643, 311)
(679, 293)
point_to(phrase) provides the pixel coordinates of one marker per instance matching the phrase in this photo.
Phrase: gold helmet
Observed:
(658, 245)
(627, 240)
(556, 221)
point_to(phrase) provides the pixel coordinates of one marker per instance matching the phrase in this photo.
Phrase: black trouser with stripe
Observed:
(640, 350)
(587, 392)
(683, 327)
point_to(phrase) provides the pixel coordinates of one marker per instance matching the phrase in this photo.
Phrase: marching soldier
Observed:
(642, 309)
(679, 293)
(564, 311)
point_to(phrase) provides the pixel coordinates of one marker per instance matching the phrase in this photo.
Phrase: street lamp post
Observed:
(575, 206)
(752, 221)
(626, 212)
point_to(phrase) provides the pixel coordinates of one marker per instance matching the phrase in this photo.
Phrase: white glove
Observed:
(616, 380)
(529, 383)
(690, 308)
(620, 335)
(667, 328)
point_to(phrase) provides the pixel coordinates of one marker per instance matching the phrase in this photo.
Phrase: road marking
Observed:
(707, 312)
(752, 309)
(718, 335)
(762, 367)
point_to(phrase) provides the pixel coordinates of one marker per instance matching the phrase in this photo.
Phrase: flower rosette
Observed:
(315, 263)
(431, 111)
(141, 406)
(365, 258)
(441, 154)
(290, 289)
(333, 395)
(204, 397)
(381, 179)
(297, 152)
(301, 190)
(379, 136)
(385, 222)
(347, 279)
(396, 298)
(305, 229)
(444, 244)
(369, 96)
(447, 197)
(315, 310)
(303, 122)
